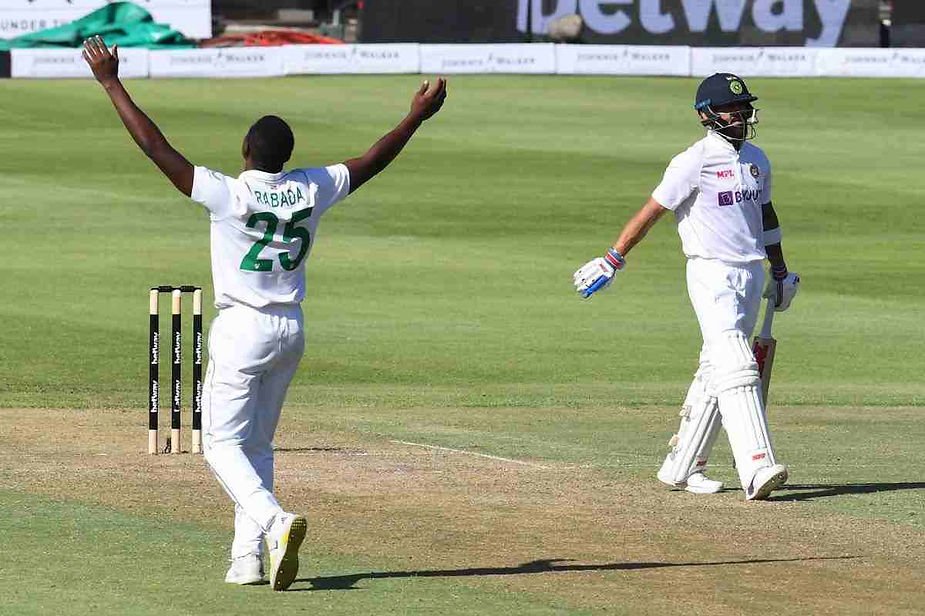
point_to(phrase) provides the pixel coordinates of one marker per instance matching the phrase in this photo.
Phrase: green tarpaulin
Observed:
(121, 23)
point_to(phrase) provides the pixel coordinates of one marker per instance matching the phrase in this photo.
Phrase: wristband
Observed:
(772, 236)
(778, 272)
(615, 259)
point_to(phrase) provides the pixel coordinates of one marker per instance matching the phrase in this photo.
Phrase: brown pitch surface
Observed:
(594, 542)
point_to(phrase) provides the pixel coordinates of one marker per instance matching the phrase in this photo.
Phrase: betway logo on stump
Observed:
(661, 17)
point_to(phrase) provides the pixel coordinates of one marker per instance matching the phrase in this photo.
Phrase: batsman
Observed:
(720, 192)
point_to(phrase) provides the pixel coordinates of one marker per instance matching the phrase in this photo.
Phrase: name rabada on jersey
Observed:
(282, 198)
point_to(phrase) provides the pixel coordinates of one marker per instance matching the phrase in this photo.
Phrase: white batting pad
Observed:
(700, 424)
(737, 387)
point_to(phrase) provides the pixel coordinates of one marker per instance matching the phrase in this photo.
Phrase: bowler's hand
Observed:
(105, 65)
(429, 99)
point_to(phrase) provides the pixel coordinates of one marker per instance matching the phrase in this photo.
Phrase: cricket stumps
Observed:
(176, 372)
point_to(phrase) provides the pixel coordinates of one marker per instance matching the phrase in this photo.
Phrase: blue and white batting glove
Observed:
(598, 273)
(782, 287)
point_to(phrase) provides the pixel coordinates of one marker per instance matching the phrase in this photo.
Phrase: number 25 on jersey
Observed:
(252, 261)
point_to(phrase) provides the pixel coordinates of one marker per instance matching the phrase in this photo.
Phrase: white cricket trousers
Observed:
(727, 298)
(253, 355)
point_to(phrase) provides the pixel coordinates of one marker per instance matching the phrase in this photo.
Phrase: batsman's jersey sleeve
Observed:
(681, 179)
(263, 226)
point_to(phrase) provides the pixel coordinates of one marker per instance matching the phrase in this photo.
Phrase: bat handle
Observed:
(768, 318)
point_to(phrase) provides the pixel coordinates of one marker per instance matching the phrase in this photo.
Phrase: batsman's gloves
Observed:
(782, 287)
(598, 273)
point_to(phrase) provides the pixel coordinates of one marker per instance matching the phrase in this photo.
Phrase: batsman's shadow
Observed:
(810, 491)
(552, 565)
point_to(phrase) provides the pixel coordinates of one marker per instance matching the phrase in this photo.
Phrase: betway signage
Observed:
(819, 22)
(17, 17)
(710, 23)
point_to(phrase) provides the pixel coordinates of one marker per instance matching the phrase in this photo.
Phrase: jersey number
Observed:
(252, 261)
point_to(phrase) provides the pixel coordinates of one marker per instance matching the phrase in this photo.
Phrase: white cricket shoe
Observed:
(697, 483)
(283, 541)
(245, 570)
(765, 481)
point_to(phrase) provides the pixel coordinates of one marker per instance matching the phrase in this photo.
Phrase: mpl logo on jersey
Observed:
(734, 197)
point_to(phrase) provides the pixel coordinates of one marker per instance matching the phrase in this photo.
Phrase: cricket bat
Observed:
(763, 349)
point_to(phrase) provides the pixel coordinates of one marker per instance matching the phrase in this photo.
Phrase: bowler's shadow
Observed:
(810, 491)
(553, 565)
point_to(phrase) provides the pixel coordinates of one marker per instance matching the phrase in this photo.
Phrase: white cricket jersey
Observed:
(716, 193)
(263, 228)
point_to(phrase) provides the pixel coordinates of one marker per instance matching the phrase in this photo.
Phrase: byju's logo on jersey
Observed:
(729, 197)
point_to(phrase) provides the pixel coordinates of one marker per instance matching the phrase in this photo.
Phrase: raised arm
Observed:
(105, 67)
(426, 102)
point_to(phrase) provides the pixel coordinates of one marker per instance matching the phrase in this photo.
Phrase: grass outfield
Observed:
(440, 313)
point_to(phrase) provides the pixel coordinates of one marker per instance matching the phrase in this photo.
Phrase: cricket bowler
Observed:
(263, 225)
(720, 192)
